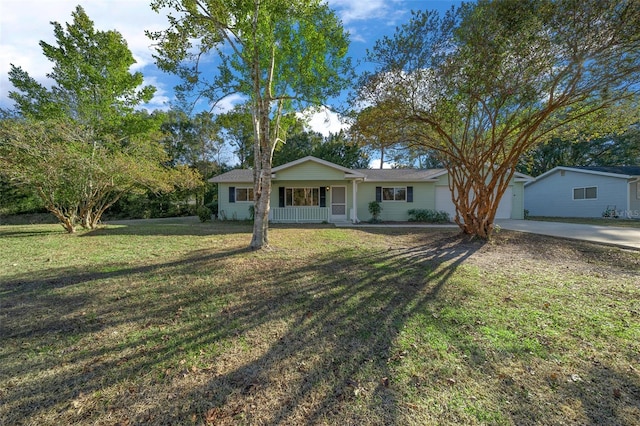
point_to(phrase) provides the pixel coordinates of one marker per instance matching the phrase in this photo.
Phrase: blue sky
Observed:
(23, 23)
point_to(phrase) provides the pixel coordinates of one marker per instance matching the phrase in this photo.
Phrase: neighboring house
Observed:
(585, 192)
(314, 190)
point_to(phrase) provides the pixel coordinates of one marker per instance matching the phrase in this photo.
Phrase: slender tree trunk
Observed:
(260, 237)
(263, 153)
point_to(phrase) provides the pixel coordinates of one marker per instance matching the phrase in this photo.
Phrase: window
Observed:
(244, 194)
(394, 194)
(588, 193)
(638, 190)
(309, 197)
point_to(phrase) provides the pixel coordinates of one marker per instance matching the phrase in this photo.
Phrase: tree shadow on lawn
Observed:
(273, 342)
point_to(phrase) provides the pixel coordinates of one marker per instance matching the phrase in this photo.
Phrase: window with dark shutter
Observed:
(323, 196)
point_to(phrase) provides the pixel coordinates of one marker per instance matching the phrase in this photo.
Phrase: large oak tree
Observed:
(488, 81)
(282, 55)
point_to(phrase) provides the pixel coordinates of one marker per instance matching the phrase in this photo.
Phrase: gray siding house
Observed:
(585, 192)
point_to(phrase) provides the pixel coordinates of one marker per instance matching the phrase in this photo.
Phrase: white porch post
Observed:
(354, 209)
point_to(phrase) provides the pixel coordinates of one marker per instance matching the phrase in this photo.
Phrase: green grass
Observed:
(624, 223)
(176, 322)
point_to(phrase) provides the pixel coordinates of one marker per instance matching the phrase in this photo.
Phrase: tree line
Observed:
(482, 90)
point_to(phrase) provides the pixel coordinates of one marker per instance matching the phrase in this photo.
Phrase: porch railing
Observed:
(299, 215)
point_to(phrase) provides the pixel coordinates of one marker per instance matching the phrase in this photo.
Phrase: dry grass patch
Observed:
(175, 322)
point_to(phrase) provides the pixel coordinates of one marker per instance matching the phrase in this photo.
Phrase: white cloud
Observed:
(375, 164)
(324, 121)
(228, 103)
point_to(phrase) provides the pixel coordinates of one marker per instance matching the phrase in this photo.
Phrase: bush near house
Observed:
(429, 216)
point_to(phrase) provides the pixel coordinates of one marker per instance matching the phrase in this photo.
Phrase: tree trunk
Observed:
(476, 196)
(260, 238)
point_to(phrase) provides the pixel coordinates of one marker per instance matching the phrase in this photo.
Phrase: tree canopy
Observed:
(281, 55)
(488, 81)
(82, 140)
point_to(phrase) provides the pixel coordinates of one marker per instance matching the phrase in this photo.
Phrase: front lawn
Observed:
(176, 322)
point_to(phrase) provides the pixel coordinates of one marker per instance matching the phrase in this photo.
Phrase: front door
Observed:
(338, 203)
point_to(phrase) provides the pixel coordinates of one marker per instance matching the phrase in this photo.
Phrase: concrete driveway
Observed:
(624, 237)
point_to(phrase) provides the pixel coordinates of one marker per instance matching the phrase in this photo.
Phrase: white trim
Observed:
(248, 188)
(382, 200)
(354, 200)
(338, 218)
(571, 169)
(300, 187)
(351, 173)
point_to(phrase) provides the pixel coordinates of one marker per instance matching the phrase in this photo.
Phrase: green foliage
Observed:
(429, 216)
(615, 150)
(336, 148)
(375, 208)
(489, 81)
(204, 214)
(83, 142)
(283, 55)
(237, 128)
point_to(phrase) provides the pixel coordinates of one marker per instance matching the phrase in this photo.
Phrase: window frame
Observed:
(315, 196)
(584, 193)
(249, 190)
(395, 189)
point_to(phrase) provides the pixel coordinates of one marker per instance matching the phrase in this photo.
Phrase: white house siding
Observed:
(423, 198)
(510, 207)
(553, 194)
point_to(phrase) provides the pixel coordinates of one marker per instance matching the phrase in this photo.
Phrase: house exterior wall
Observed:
(634, 200)
(276, 184)
(309, 171)
(515, 193)
(423, 198)
(311, 174)
(238, 210)
(553, 195)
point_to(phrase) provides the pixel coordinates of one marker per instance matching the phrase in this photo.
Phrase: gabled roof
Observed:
(404, 175)
(622, 172)
(302, 160)
(369, 175)
(233, 176)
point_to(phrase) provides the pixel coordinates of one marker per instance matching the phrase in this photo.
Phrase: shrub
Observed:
(204, 213)
(375, 208)
(430, 216)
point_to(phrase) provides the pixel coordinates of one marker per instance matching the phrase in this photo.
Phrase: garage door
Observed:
(444, 203)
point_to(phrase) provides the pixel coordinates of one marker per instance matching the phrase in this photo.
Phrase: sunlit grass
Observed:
(177, 322)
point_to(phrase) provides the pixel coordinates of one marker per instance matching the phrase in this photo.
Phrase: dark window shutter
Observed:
(281, 196)
(379, 194)
(409, 194)
(323, 196)
(232, 194)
